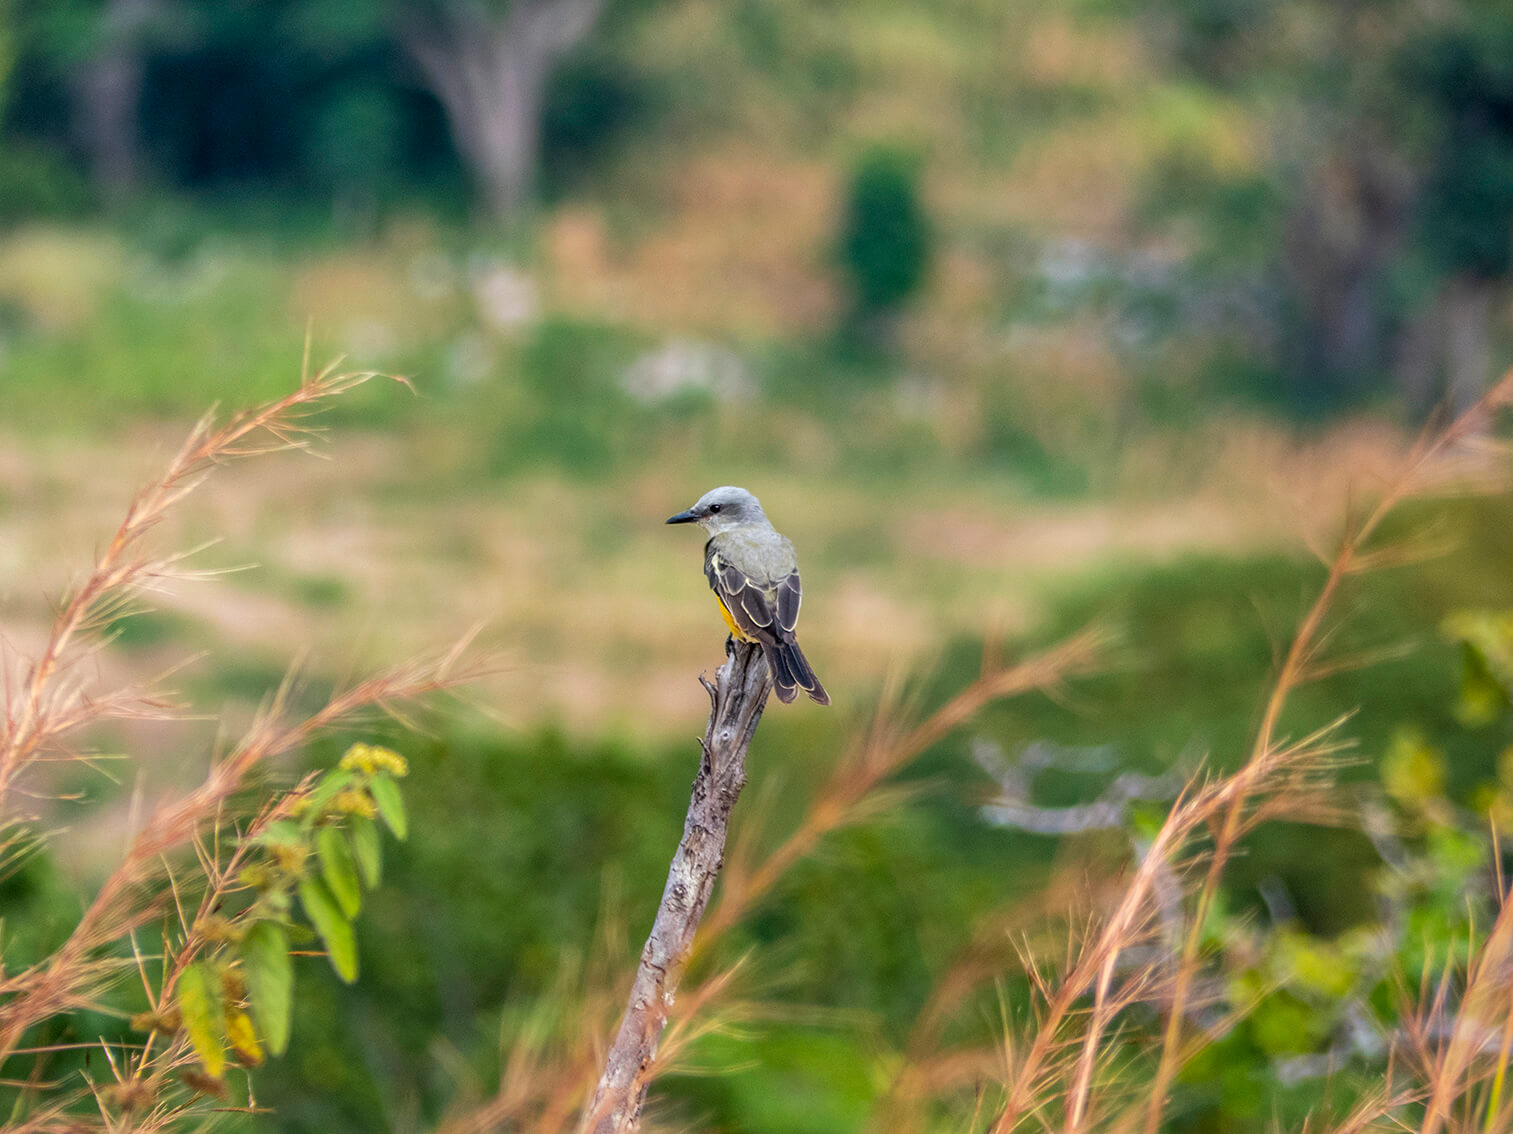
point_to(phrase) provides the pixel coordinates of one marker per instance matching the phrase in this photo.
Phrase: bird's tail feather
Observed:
(783, 679)
(791, 672)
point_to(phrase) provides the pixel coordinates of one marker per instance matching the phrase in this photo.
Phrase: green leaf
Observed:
(368, 849)
(339, 869)
(269, 972)
(334, 929)
(281, 832)
(391, 805)
(204, 1015)
(1412, 769)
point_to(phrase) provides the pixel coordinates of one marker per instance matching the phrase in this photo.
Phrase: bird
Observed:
(754, 574)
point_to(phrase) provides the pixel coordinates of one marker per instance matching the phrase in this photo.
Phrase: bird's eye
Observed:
(715, 507)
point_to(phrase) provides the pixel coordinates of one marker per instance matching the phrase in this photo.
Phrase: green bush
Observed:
(885, 238)
(36, 182)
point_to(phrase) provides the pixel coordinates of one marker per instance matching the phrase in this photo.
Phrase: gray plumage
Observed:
(753, 571)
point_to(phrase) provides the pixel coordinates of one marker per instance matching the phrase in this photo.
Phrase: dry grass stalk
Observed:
(50, 703)
(1451, 1057)
(1301, 665)
(1066, 1061)
(1057, 1067)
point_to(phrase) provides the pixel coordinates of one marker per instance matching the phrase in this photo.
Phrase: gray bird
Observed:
(755, 577)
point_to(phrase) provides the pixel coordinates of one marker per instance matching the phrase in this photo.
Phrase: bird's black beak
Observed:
(687, 517)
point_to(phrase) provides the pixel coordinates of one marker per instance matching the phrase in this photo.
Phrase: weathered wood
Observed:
(736, 701)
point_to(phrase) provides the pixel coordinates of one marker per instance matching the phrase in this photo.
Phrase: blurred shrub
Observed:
(592, 101)
(7, 48)
(885, 239)
(565, 408)
(1467, 206)
(36, 182)
(353, 143)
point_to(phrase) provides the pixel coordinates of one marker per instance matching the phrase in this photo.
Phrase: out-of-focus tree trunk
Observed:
(1469, 303)
(489, 70)
(107, 96)
(1418, 363)
(1445, 351)
(1345, 227)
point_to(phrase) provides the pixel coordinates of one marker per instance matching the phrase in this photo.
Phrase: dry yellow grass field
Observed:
(601, 609)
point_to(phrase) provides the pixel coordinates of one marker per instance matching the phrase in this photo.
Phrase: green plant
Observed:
(885, 240)
(223, 893)
(321, 844)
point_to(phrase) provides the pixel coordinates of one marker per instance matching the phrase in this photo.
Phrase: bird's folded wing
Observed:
(756, 607)
(747, 602)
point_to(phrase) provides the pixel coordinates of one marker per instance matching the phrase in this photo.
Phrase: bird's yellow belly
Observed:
(736, 631)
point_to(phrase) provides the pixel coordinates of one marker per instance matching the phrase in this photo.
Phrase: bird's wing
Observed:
(748, 602)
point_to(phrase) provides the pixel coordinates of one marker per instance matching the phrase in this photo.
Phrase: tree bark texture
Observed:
(736, 701)
(489, 71)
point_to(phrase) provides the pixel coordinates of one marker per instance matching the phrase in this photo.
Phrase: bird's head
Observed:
(722, 508)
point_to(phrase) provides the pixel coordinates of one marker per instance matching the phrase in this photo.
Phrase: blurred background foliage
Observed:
(1016, 313)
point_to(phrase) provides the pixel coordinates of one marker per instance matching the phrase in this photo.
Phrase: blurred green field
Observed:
(570, 835)
(530, 497)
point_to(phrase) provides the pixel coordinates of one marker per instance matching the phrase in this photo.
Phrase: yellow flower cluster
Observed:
(290, 858)
(351, 802)
(371, 758)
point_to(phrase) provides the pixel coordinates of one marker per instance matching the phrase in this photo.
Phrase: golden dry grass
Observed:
(583, 578)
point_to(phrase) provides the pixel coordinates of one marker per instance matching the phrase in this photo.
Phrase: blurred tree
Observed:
(107, 87)
(488, 62)
(7, 48)
(885, 238)
(308, 93)
(1465, 75)
(1385, 135)
(98, 50)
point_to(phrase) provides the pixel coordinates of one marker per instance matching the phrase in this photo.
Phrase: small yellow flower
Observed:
(370, 759)
(290, 858)
(387, 760)
(353, 802)
(357, 758)
(243, 1037)
(254, 876)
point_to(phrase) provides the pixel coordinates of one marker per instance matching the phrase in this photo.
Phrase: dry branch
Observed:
(534, 1093)
(736, 702)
